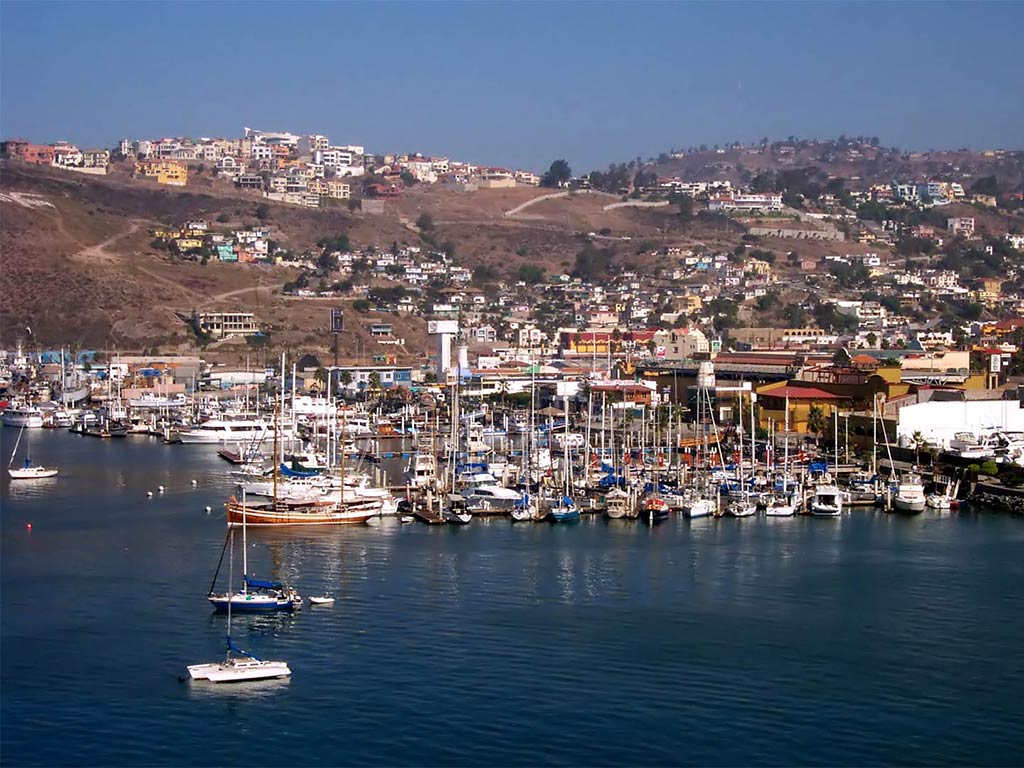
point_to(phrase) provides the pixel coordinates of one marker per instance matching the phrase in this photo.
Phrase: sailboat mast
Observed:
(785, 460)
(753, 446)
(740, 441)
(565, 451)
(231, 583)
(245, 552)
(16, 444)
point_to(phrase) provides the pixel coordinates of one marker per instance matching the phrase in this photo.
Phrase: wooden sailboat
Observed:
(280, 512)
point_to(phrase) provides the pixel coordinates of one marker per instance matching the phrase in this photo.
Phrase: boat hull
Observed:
(912, 506)
(238, 671)
(251, 604)
(31, 473)
(329, 514)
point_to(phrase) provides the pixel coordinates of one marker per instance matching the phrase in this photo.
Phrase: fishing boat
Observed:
(617, 504)
(235, 669)
(27, 471)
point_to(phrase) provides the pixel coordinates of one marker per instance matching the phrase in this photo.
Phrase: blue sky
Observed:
(516, 84)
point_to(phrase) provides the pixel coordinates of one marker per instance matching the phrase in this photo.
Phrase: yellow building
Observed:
(691, 303)
(188, 243)
(773, 399)
(163, 171)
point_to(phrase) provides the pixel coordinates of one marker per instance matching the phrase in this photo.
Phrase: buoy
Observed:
(149, 494)
(195, 482)
(29, 526)
(160, 488)
(209, 510)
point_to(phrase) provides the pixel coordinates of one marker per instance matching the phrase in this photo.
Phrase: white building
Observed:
(771, 201)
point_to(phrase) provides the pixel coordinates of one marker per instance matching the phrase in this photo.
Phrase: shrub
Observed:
(989, 468)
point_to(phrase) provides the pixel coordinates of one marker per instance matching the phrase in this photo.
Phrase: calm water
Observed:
(870, 639)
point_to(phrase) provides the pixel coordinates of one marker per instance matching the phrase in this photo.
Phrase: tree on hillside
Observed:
(558, 174)
(425, 222)
(986, 185)
(530, 274)
(685, 203)
(262, 211)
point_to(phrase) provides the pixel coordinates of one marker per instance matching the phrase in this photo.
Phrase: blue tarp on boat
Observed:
(260, 584)
(289, 472)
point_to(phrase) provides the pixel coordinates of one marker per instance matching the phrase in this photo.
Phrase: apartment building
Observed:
(221, 324)
(751, 203)
(168, 172)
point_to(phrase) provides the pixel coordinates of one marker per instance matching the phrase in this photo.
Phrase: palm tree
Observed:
(920, 443)
(816, 420)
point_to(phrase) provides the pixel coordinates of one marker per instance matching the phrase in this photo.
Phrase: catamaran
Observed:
(235, 669)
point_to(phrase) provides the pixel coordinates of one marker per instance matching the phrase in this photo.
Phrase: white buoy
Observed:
(209, 510)
(195, 482)
(149, 494)
(160, 488)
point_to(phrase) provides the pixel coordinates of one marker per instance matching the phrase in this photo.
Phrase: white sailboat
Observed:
(27, 471)
(743, 505)
(245, 666)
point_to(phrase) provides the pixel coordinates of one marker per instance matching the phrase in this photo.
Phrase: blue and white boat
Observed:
(564, 510)
(256, 596)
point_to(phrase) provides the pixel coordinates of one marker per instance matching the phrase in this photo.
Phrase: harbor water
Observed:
(869, 639)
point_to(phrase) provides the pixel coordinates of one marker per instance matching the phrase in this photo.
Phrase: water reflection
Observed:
(253, 690)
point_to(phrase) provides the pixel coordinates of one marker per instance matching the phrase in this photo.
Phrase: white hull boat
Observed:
(701, 507)
(910, 497)
(31, 473)
(22, 416)
(239, 670)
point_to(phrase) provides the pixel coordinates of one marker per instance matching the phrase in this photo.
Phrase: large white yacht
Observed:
(229, 430)
(27, 416)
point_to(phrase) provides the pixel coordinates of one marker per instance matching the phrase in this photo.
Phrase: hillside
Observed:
(862, 164)
(79, 266)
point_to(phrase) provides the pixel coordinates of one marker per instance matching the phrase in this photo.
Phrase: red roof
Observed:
(802, 393)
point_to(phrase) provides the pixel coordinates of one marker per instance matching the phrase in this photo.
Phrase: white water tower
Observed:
(444, 330)
(706, 375)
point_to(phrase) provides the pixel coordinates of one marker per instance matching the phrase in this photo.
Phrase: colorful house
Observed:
(227, 253)
(163, 171)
